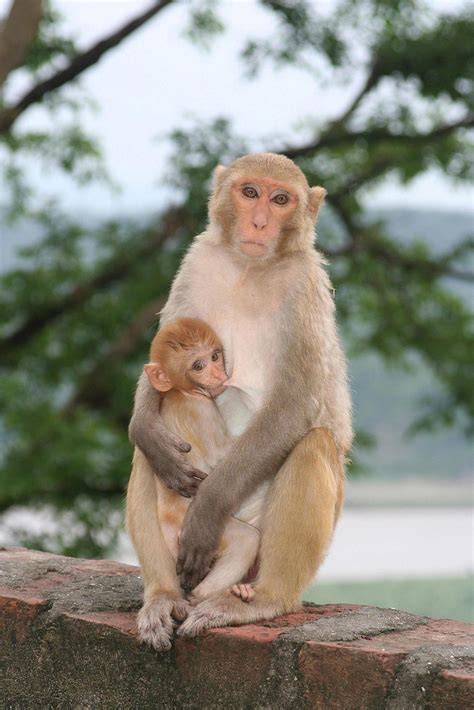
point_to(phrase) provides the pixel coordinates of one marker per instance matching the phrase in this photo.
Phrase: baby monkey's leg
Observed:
(236, 555)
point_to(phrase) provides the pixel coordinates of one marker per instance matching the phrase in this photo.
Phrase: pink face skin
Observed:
(262, 206)
(208, 373)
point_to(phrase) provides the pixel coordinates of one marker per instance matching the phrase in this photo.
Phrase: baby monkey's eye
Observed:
(281, 199)
(198, 366)
(215, 356)
(249, 192)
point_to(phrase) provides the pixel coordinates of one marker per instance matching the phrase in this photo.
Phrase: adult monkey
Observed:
(255, 277)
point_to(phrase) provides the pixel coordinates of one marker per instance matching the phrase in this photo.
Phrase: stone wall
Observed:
(68, 641)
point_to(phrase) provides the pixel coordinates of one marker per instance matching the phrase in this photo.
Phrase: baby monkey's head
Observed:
(187, 355)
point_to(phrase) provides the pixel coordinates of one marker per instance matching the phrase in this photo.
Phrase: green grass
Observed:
(445, 597)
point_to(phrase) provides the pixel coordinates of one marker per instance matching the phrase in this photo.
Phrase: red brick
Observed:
(340, 676)
(123, 621)
(229, 656)
(309, 613)
(453, 689)
(108, 567)
(442, 631)
(17, 612)
(235, 667)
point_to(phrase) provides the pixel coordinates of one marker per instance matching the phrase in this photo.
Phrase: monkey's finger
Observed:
(191, 580)
(196, 473)
(198, 571)
(188, 487)
(187, 575)
(180, 445)
(183, 447)
(185, 569)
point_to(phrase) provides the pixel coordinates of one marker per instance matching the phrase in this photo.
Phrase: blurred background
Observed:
(112, 117)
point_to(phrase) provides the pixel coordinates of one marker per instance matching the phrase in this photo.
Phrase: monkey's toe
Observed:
(203, 617)
(155, 622)
(243, 591)
(180, 610)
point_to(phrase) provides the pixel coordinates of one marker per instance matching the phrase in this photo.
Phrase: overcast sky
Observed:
(156, 80)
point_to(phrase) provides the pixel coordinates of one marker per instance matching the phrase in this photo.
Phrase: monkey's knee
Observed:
(299, 518)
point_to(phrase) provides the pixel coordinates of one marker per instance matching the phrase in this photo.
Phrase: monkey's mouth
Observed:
(251, 247)
(214, 391)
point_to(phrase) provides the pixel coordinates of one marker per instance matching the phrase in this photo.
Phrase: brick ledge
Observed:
(68, 640)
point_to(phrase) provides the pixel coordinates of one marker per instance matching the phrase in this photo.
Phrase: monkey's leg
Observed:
(298, 525)
(240, 548)
(163, 597)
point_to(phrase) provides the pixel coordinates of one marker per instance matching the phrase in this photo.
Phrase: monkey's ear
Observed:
(218, 176)
(157, 376)
(316, 199)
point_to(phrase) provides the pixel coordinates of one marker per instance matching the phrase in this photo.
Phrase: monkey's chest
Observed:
(250, 349)
(244, 309)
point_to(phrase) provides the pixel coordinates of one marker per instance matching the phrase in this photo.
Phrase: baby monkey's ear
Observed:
(157, 376)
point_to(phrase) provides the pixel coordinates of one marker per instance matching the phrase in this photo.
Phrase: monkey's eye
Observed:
(281, 199)
(198, 366)
(249, 191)
(215, 356)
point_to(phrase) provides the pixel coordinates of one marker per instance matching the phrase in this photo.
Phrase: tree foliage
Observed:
(80, 307)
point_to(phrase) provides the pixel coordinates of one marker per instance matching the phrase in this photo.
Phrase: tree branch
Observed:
(338, 126)
(17, 34)
(332, 138)
(115, 271)
(359, 240)
(92, 391)
(78, 65)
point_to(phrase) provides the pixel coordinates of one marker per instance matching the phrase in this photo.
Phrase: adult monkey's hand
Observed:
(199, 540)
(165, 452)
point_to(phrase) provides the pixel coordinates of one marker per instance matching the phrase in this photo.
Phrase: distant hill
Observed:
(385, 401)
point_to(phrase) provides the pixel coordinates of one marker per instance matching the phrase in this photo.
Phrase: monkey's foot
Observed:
(226, 609)
(245, 591)
(157, 618)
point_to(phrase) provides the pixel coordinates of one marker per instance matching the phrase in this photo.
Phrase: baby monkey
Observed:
(187, 368)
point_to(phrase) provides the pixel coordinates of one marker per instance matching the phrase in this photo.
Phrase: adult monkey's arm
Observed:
(165, 452)
(288, 414)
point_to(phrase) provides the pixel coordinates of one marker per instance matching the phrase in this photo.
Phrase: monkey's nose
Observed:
(260, 218)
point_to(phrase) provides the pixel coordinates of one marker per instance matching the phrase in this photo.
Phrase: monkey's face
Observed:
(206, 372)
(263, 209)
